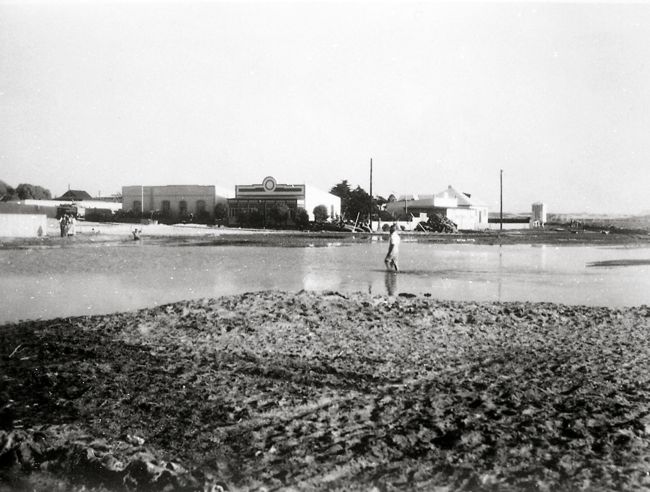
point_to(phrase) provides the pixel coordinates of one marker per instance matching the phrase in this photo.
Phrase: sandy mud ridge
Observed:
(325, 391)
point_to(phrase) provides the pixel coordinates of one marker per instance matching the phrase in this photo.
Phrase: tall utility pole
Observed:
(501, 200)
(370, 213)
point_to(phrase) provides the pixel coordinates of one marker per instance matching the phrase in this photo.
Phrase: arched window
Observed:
(137, 206)
(182, 207)
(200, 206)
(166, 206)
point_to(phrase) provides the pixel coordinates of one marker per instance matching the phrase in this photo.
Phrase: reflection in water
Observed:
(390, 281)
(542, 256)
(47, 283)
(500, 275)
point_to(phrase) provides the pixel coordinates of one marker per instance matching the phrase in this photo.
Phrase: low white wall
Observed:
(114, 206)
(23, 225)
(23, 208)
(466, 219)
(508, 226)
(378, 226)
(48, 207)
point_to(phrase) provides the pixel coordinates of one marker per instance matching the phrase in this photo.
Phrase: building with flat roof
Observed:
(269, 202)
(172, 202)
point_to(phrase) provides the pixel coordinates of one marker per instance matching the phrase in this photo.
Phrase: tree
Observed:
(279, 214)
(320, 213)
(26, 191)
(5, 190)
(359, 203)
(302, 218)
(220, 212)
(343, 191)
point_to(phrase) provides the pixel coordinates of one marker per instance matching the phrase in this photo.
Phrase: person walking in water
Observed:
(393, 249)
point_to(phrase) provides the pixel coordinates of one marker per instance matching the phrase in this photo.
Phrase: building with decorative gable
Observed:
(258, 202)
(466, 212)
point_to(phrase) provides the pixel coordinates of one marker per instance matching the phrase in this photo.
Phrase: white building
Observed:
(257, 200)
(175, 202)
(466, 212)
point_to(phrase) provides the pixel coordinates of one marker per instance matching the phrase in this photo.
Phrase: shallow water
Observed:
(53, 282)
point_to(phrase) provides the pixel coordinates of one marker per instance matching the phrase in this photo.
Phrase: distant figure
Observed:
(136, 234)
(72, 226)
(393, 249)
(63, 224)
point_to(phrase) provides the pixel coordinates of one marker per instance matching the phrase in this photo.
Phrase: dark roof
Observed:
(75, 195)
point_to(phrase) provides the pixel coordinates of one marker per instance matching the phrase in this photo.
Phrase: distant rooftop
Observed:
(75, 195)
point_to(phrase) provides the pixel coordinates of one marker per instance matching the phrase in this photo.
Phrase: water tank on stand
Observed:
(538, 218)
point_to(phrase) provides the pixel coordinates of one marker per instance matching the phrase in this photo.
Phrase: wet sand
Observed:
(306, 391)
(92, 233)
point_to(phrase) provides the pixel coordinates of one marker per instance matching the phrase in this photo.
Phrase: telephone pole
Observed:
(501, 200)
(370, 212)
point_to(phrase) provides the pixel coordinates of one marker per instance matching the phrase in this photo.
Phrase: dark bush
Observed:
(320, 213)
(302, 218)
(99, 215)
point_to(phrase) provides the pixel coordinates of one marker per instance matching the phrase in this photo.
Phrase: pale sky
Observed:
(100, 95)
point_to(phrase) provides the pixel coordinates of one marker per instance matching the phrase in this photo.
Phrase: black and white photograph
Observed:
(324, 245)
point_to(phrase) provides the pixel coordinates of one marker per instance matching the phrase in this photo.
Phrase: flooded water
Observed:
(48, 283)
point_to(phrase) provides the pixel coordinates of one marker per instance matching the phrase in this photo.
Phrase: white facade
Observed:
(173, 201)
(315, 197)
(259, 198)
(23, 225)
(467, 213)
(468, 219)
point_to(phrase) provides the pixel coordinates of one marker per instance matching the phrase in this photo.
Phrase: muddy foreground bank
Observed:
(325, 391)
